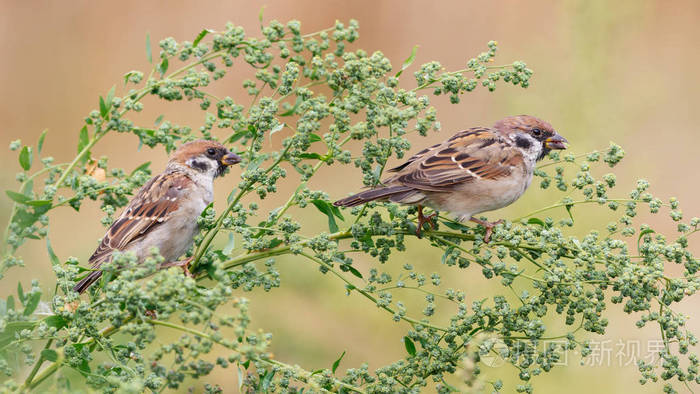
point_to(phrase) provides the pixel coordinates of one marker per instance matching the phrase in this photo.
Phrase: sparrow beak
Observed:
(230, 159)
(556, 142)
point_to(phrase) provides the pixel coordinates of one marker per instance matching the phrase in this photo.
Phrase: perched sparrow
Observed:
(477, 170)
(165, 210)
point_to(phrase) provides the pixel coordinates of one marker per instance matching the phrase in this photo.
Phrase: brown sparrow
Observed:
(477, 170)
(164, 212)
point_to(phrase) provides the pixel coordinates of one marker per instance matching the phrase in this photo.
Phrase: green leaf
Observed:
(10, 303)
(353, 270)
(568, 209)
(314, 138)
(159, 119)
(455, 225)
(377, 172)
(237, 136)
(17, 197)
(142, 167)
(8, 334)
(260, 14)
(24, 218)
(149, 54)
(163, 66)
(336, 212)
(20, 292)
(230, 245)
(276, 129)
(267, 379)
(32, 303)
(55, 321)
(275, 242)
(201, 35)
(204, 212)
(642, 234)
(103, 108)
(110, 97)
(52, 255)
(292, 110)
(241, 372)
(84, 368)
(49, 354)
(28, 189)
(126, 77)
(313, 155)
(40, 144)
(83, 138)
(326, 209)
(536, 221)
(337, 362)
(25, 158)
(410, 347)
(39, 203)
(407, 63)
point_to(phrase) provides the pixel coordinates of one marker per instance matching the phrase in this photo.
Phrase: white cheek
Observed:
(533, 151)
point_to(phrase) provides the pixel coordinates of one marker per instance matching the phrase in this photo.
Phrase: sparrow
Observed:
(164, 212)
(477, 170)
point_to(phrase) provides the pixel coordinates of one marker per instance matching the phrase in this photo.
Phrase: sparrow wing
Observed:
(473, 154)
(153, 205)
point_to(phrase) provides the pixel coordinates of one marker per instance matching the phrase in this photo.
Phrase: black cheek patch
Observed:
(523, 142)
(200, 165)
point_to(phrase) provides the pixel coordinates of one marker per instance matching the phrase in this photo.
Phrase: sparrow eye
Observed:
(536, 132)
(211, 152)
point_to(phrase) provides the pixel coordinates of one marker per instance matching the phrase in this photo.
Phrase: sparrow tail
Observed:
(87, 281)
(392, 193)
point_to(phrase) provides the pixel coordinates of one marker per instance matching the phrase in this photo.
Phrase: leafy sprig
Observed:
(320, 97)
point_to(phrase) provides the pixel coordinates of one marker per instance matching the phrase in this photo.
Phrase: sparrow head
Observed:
(531, 134)
(207, 157)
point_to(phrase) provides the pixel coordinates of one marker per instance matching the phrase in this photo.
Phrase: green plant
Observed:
(322, 96)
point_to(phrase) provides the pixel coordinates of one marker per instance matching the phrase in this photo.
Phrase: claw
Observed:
(488, 226)
(184, 264)
(424, 219)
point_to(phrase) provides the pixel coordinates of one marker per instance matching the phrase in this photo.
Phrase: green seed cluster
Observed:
(315, 94)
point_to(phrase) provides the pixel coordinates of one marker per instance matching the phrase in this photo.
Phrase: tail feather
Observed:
(87, 281)
(382, 193)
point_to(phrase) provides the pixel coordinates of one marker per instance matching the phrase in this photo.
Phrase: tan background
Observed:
(622, 71)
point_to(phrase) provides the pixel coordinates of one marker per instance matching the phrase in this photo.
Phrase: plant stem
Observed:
(270, 362)
(37, 365)
(30, 385)
(368, 295)
(561, 204)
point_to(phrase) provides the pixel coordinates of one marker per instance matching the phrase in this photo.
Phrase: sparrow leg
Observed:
(488, 226)
(184, 264)
(424, 219)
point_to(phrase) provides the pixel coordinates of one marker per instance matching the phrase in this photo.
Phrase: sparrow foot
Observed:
(424, 219)
(488, 226)
(184, 264)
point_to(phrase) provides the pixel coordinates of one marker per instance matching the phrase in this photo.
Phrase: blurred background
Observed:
(623, 71)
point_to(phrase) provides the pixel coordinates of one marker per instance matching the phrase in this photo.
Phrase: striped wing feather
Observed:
(153, 205)
(473, 154)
